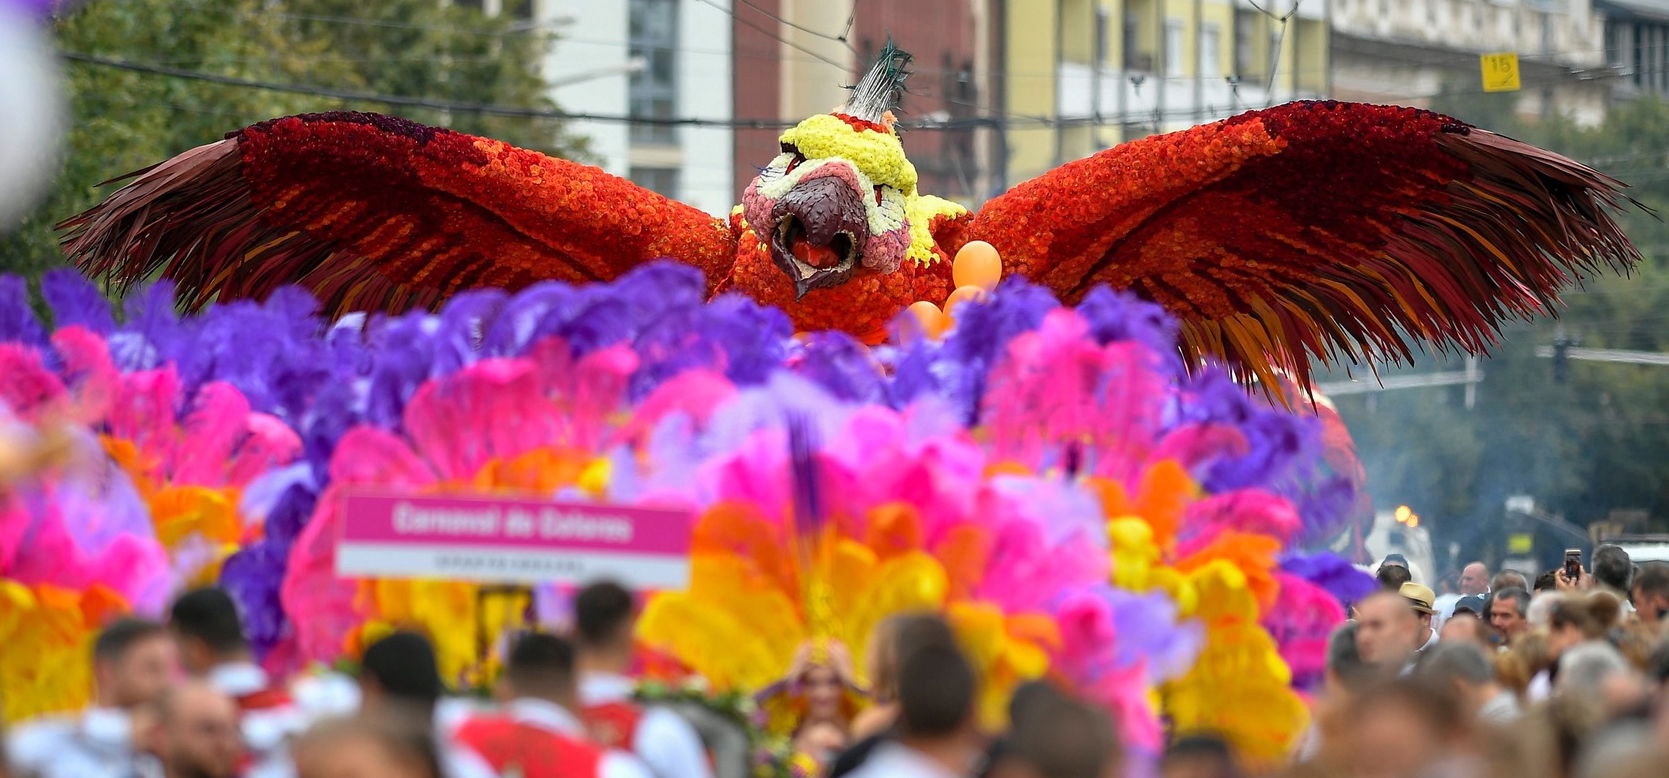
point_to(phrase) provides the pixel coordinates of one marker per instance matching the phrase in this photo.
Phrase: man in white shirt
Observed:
(936, 733)
(213, 648)
(1420, 597)
(538, 735)
(134, 661)
(604, 620)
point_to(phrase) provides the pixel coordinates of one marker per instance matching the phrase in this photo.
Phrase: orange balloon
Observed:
(933, 320)
(962, 295)
(977, 264)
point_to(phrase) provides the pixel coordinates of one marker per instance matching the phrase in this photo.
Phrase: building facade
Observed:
(1407, 52)
(1637, 45)
(1078, 76)
(793, 58)
(660, 60)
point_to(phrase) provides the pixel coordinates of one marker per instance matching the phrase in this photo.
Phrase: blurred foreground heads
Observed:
(196, 733)
(1056, 736)
(365, 748)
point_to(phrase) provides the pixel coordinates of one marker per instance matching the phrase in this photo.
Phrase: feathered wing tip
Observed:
(195, 219)
(1245, 231)
(879, 92)
(1499, 243)
(375, 213)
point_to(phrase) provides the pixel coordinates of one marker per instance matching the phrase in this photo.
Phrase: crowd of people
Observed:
(1561, 676)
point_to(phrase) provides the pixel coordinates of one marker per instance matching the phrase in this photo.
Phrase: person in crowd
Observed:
(1613, 569)
(1525, 666)
(1408, 727)
(1472, 604)
(898, 636)
(820, 688)
(1392, 575)
(540, 733)
(213, 647)
(1387, 631)
(1650, 592)
(1580, 618)
(1465, 667)
(1508, 611)
(1448, 593)
(399, 682)
(134, 662)
(1346, 675)
(196, 732)
(936, 736)
(1509, 579)
(366, 747)
(1546, 582)
(1466, 627)
(1420, 598)
(1597, 671)
(1474, 579)
(604, 621)
(1199, 756)
(1056, 736)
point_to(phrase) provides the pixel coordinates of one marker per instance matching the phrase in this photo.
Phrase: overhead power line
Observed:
(960, 123)
(786, 42)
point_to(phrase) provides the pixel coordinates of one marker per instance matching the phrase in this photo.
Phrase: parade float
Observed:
(1076, 422)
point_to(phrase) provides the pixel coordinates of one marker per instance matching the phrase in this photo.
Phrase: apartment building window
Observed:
(1173, 47)
(661, 180)
(1134, 57)
(1101, 21)
(1245, 58)
(520, 9)
(1211, 44)
(653, 91)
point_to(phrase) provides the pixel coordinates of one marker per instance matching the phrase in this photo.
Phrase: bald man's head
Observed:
(1387, 631)
(1474, 579)
(197, 731)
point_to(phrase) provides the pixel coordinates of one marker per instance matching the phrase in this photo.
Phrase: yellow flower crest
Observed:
(920, 211)
(879, 155)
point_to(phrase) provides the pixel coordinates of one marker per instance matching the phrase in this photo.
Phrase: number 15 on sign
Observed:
(1500, 72)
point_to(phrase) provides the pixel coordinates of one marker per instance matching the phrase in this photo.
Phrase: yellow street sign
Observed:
(1500, 72)
(1520, 543)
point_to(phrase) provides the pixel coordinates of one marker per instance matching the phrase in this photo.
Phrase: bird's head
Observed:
(836, 199)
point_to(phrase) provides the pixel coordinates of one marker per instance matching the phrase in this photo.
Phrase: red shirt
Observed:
(519, 748)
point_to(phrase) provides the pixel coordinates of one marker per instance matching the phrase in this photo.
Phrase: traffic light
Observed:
(1561, 356)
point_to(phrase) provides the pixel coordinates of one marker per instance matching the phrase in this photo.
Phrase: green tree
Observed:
(123, 120)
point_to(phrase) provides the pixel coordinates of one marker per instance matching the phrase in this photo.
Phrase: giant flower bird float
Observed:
(1138, 539)
(1313, 229)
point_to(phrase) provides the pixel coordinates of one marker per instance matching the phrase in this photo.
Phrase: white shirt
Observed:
(1445, 607)
(663, 740)
(264, 731)
(554, 718)
(96, 744)
(895, 760)
(1503, 708)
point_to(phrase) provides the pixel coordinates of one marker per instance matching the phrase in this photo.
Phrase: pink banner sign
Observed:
(509, 540)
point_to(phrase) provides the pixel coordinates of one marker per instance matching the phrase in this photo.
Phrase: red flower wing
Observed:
(1317, 229)
(372, 212)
